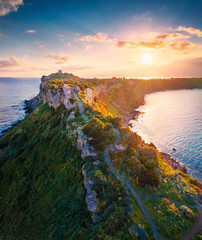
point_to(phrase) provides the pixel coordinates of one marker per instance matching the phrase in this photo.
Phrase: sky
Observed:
(108, 38)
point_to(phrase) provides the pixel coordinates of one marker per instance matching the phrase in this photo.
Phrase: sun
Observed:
(146, 59)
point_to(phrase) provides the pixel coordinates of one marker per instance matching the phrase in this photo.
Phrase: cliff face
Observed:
(55, 97)
(64, 168)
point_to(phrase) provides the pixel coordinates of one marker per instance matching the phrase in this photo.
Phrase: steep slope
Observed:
(56, 181)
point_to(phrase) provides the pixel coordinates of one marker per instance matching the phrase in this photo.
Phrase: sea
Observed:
(13, 92)
(172, 121)
(169, 119)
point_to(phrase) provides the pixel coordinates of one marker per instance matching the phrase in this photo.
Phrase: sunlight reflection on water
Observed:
(173, 119)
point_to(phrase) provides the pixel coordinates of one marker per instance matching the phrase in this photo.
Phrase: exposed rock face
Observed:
(97, 92)
(82, 143)
(31, 105)
(119, 147)
(55, 97)
(91, 195)
(173, 163)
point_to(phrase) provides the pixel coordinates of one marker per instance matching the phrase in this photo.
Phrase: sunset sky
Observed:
(107, 38)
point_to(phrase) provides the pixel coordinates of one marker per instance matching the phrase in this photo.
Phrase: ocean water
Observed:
(13, 92)
(173, 119)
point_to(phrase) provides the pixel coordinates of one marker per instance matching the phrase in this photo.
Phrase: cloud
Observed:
(68, 44)
(156, 44)
(165, 36)
(190, 30)
(60, 57)
(182, 46)
(7, 6)
(61, 37)
(99, 37)
(200, 34)
(39, 44)
(30, 31)
(12, 62)
(89, 46)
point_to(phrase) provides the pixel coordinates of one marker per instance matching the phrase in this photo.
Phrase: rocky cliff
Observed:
(71, 170)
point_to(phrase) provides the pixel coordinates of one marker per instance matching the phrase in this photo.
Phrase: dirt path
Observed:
(142, 206)
(195, 229)
(107, 158)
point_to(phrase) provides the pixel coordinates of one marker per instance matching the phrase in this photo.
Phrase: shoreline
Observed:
(29, 106)
(172, 162)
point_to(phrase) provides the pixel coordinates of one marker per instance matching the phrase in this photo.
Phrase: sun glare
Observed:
(146, 59)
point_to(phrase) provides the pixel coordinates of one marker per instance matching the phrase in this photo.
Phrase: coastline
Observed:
(176, 165)
(28, 107)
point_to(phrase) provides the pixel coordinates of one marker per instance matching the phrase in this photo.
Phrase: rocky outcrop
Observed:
(55, 97)
(173, 163)
(82, 143)
(96, 92)
(91, 195)
(31, 105)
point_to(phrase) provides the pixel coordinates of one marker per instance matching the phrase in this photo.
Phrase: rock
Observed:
(31, 105)
(82, 143)
(71, 116)
(55, 97)
(173, 163)
(119, 147)
(91, 195)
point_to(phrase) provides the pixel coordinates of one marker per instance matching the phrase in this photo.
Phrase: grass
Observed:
(170, 221)
(42, 193)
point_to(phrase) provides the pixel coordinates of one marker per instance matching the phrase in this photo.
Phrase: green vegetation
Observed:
(172, 219)
(198, 236)
(42, 174)
(100, 134)
(42, 194)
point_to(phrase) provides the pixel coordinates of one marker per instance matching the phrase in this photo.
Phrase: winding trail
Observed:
(107, 158)
(146, 213)
(191, 233)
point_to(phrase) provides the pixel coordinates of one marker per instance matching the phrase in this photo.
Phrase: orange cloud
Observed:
(182, 46)
(60, 57)
(190, 30)
(12, 62)
(156, 44)
(99, 37)
(200, 34)
(30, 31)
(165, 36)
(9, 6)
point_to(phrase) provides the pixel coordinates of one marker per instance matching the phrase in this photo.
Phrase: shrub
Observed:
(187, 211)
(173, 210)
(99, 132)
(149, 177)
(165, 202)
(147, 153)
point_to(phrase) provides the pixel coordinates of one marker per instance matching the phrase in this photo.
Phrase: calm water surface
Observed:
(173, 119)
(13, 92)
